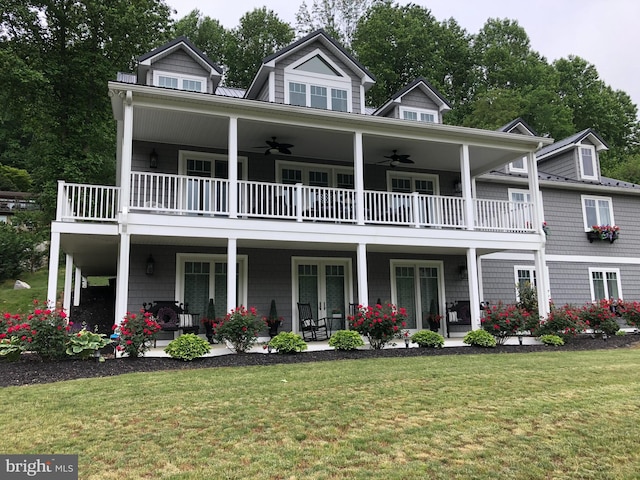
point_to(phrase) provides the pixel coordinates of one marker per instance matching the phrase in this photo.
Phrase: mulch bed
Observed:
(31, 370)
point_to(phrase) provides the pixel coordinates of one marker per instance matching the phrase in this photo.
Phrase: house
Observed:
(295, 191)
(581, 266)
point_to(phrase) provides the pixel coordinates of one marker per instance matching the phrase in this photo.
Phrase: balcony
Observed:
(163, 194)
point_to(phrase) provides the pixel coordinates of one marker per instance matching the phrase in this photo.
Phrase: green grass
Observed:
(560, 415)
(21, 301)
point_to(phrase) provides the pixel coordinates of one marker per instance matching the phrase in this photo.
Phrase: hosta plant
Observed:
(346, 340)
(288, 342)
(552, 340)
(84, 344)
(188, 347)
(11, 348)
(379, 323)
(428, 339)
(480, 338)
(239, 329)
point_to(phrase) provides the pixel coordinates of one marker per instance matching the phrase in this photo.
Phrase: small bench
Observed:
(173, 317)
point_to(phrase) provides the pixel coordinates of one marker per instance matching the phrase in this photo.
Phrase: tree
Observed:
(58, 56)
(337, 17)
(206, 33)
(401, 43)
(259, 34)
(14, 179)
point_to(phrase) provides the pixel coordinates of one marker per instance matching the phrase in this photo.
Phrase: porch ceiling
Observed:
(96, 255)
(326, 140)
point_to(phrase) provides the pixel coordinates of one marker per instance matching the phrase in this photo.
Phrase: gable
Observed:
(421, 98)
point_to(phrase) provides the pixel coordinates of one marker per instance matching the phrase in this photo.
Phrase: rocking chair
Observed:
(309, 326)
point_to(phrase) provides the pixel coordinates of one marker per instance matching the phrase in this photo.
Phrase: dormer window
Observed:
(316, 82)
(587, 160)
(419, 115)
(179, 81)
(518, 166)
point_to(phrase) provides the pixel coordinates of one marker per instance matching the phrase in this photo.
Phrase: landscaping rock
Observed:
(20, 285)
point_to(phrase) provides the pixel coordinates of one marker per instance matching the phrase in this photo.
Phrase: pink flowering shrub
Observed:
(599, 317)
(630, 312)
(239, 328)
(136, 333)
(48, 332)
(562, 321)
(379, 323)
(503, 321)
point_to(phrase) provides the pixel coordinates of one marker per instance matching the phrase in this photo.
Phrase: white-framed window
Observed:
(519, 195)
(518, 166)
(316, 175)
(587, 161)
(409, 182)
(200, 277)
(179, 81)
(316, 81)
(597, 211)
(605, 283)
(524, 275)
(419, 114)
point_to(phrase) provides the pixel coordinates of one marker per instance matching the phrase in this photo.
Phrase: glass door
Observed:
(418, 289)
(324, 285)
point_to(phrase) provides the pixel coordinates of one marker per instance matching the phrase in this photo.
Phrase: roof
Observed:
(424, 85)
(570, 142)
(174, 44)
(512, 125)
(268, 63)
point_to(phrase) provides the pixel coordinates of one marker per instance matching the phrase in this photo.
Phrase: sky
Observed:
(606, 33)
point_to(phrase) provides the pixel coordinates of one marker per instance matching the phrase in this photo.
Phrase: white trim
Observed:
(242, 261)
(418, 111)
(514, 169)
(604, 271)
(596, 198)
(522, 191)
(528, 257)
(594, 162)
(439, 265)
(180, 77)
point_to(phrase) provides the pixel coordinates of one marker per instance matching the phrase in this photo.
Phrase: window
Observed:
(597, 211)
(605, 284)
(315, 81)
(179, 81)
(408, 183)
(419, 115)
(587, 160)
(524, 276)
(517, 195)
(518, 166)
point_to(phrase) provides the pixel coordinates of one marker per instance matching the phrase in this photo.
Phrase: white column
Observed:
(542, 282)
(465, 178)
(474, 295)
(358, 175)
(122, 279)
(54, 254)
(480, 281)
(127, 151)
(233, 167)
(534, 190)
(77, 286)
(68, 277)
(363, 285)
(232, 258)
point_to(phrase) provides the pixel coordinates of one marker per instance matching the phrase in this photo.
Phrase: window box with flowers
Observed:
(603, 232)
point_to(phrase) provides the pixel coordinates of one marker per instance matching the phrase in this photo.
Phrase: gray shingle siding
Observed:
(564, 165)
(180, 62)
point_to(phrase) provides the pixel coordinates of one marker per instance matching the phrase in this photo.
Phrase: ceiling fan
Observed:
(396, 159)
(276, 147)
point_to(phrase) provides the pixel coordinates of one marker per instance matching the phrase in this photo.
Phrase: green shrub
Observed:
(480, 338)
(187, 347)
(427, 338)
(288, 342)
(346, 340)
(552, 340)
(620, 333)
(85, 344)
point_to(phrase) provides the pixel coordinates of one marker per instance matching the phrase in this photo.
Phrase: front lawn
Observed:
(539, 415)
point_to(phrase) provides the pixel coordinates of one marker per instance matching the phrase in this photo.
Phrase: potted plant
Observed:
(273, 321)
(208, 320)
(603, 232)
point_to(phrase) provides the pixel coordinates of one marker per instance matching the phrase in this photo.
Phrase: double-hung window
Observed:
(597, 211)
(587, 160)
(605, 284)
(315, 81)
(419, 115)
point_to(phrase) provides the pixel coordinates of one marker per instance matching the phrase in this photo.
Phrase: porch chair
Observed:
(309, 326)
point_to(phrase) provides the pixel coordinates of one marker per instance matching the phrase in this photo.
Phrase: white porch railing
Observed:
(181, 194)
(87, 202)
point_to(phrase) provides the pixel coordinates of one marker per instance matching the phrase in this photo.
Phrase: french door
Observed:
(325, 284)
(418, 287)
